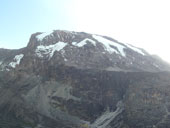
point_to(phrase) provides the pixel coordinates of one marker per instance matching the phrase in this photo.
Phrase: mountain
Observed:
(65, 79)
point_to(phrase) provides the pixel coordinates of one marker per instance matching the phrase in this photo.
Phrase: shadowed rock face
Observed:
(77, 80)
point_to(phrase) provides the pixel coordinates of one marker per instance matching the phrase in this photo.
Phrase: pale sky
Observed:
(142, 23)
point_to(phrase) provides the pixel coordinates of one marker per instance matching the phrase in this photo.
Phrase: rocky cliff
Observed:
(66, 79)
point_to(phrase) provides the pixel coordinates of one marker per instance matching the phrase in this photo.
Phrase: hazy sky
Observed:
(143, 23)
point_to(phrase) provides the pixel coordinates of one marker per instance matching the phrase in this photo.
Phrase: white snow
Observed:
(135, 49)
(108, 116)
(50, 49)
(84, 42)
(1, 62)
(43, 35)
(107, 45)
(16, 61)
(74, 43)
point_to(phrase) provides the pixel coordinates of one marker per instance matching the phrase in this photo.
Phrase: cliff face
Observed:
(78, 80)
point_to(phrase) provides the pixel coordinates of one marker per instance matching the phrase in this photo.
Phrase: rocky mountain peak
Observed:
(87, 51)
(83, 50)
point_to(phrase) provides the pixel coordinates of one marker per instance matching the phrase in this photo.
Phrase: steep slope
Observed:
(68, 79)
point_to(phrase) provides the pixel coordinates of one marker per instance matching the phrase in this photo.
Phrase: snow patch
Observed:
(16, 61)
(84, 42)
(135, 49)
(107, 45)
(43, 35)
(49, 50)
(74, 43)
